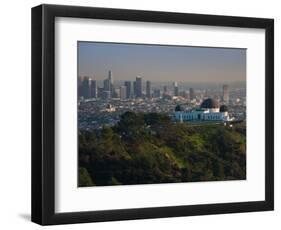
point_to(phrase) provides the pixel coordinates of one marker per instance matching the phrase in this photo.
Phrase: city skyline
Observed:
(161, 63)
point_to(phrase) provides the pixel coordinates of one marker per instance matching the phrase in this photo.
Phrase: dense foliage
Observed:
(150, 148)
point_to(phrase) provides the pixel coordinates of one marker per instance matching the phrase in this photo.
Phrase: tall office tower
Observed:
(191, 94)
(135, 88)
(123, 92)
(225, 90)
(106, 85)
(148, 89)
(86, 87)
(80, 86)
(138, 87)
(156, 93)
(165, 89)
(106, 88)
(117, 93)
(110, 77)
(99, 92)
(113, 91)
(176, 89)
(94, 89)
(105, 95)
(128, 89)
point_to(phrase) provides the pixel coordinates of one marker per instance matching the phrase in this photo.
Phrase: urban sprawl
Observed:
(102, 102)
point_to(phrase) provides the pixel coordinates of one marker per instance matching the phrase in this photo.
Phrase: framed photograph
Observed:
(141, 114)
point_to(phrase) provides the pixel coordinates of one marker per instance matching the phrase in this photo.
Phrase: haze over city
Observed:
(161, 63)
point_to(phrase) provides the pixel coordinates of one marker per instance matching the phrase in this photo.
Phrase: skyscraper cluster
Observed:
(88, 88)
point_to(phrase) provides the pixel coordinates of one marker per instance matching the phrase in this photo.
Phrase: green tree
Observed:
(84, 178)
(131, 126)
(150, 148)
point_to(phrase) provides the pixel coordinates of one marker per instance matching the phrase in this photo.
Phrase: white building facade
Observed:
(208, 111)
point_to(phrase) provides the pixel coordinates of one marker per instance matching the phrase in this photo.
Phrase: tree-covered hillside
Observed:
(150, 148)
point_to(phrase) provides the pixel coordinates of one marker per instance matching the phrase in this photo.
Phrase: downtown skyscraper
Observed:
(110, 77)
(80, 86)
(128, 89)
(94, 89)
(86, 87)
(148, 89)
(191, 94)
(138, 92)
(123, 93)
(225, 93)
(176, 89)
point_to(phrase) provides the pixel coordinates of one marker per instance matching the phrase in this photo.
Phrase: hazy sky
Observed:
(161, 63)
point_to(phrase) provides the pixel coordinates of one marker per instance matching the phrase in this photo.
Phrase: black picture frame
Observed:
(43, 114)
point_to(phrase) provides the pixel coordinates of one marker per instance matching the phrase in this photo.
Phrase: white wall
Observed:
(15, 113)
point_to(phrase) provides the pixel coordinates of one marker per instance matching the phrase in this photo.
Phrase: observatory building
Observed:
(210, 110)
